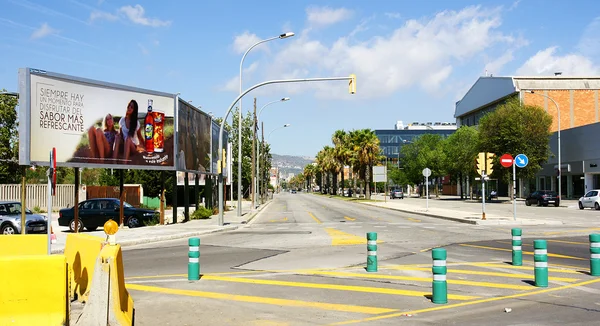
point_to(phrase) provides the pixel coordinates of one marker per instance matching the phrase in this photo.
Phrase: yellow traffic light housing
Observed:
(352, 84)
(480, 163)
(489, 168)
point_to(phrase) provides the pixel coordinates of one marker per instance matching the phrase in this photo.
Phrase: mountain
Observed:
(291, 164)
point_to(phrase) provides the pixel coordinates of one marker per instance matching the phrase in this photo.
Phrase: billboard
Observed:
(93, 123)
(215, 149)
(193, 139)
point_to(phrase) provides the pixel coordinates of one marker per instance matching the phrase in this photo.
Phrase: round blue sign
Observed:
(521, 160)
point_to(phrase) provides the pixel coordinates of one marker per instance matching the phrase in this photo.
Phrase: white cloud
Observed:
(514, 5)
(137, 15)
(589, 43)
(143, 49)
(495, 66)
(421, 52)
(546, 62)
(102, 15)
(393, 15)
(233, 84)
(323, 16)
(244, 41)
(43, 31)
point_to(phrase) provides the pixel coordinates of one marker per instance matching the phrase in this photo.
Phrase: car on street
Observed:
(10, 219)
(543, 198)
(397, 193)
(591, 199)
(94, 213)
(293, 191)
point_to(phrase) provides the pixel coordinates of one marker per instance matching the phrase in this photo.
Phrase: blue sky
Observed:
(413, 59)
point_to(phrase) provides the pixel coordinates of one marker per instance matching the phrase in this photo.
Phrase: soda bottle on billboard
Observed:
(149, 129)
(159, 140)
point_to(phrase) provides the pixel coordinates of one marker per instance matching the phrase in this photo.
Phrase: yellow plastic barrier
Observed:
(81, 251)
(23, 244)
(120, 303)
(33, 290)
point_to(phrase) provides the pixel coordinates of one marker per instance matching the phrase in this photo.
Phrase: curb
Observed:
(474, 222)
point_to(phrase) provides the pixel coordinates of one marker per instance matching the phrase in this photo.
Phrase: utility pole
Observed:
(254, 187)
(262, 126)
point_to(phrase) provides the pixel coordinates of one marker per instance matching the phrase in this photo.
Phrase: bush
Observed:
(155, 220)
(37, 209)
(202, 213)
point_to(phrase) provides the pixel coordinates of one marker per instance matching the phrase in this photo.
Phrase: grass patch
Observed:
(155, 220)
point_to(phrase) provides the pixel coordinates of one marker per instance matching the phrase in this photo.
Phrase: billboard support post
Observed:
(197, 190)
(121, 211)
(174, 201)
(186, 198)
(221, 130)
(162, 197)
(23, 201)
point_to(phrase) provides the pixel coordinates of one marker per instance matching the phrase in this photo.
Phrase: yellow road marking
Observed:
(339, 238)
(553, 270)
(570, 242)
(351, 288)
(448, 264)
(462, 304)
(314, 218)
(524, 252)
(378, 218)
(280, 220)
(469, 272)
(575, 269)
(349, 218)
(414, 220)
(570, 231)
(423, 279)
(185, 275)
(264, 300)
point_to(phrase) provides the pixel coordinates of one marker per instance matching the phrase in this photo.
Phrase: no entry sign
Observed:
(506, 160)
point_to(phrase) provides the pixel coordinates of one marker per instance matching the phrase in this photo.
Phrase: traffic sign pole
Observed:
(514, 191)
(483, 196)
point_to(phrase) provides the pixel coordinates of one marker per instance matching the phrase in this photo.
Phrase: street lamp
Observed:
(257, 184)
(281, 36)
(558, 136)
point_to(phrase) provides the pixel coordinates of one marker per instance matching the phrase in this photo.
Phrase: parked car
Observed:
(95, 212)
(10, 219)
(543, 198)
(293, 191)
(590, 199)
(397, 193)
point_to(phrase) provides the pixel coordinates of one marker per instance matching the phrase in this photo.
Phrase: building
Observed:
(392, 140)
(577, 100)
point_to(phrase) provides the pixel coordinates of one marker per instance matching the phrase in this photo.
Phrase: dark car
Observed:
(543, 198)
(397, 193)
(95, 212)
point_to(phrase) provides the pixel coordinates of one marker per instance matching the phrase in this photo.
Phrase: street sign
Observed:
(521, 160)
(506, 160)
(380, 174)
(426, 172)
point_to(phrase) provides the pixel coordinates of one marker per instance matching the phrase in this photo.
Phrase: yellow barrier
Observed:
(120, 303)
(81, 251)
(23, 244)
(33, 290)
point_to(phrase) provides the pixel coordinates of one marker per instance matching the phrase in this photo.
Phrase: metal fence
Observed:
(37, 195)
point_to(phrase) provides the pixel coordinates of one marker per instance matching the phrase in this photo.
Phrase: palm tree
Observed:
(366, 145)
(342, 150)
(309, 173)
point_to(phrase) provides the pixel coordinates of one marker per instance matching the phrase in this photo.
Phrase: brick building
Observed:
(577, 98)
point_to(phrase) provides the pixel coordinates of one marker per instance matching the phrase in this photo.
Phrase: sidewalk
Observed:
(498, 212)
(149, 234)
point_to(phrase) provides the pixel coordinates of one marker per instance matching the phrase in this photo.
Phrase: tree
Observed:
(309, 173)
(342, 150)
(426, 151)
(365, 145)
(247, 135)
(461, 150)
(10, 172)
(515, 128)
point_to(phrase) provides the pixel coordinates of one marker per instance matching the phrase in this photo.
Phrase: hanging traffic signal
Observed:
(489, 166)
(480, 163)
(352, 84)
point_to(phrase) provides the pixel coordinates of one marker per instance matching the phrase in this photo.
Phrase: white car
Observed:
(590, 200)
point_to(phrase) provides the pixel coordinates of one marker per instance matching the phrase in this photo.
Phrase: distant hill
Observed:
(290, 163)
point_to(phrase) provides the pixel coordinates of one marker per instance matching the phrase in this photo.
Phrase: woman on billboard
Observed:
(130, 133)
(102, 140)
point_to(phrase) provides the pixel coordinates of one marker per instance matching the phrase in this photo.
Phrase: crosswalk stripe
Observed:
(352, 288)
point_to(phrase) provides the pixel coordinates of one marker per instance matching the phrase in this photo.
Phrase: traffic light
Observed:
(352, 84)
(480, 163)
(489, 166)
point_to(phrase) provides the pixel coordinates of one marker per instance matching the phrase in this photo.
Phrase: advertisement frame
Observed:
(25, 113)
(210, 172)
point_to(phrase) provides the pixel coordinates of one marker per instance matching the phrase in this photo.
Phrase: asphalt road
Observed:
(302, 261)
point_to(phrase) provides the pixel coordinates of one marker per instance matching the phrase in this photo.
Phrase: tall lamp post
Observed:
(269, 137)
(558, 136)
(281, 36)
(257, 185)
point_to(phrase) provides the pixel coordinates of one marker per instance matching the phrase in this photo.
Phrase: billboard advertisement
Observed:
(93, 123)
(193, 139)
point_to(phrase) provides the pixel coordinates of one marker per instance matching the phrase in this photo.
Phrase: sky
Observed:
(413, 59)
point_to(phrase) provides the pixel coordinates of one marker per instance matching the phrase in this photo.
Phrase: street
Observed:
(301, 261)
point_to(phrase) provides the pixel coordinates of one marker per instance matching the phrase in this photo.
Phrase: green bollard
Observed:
(517, 253)
(371, 251)
(595, 254)
(439, 287)
(194, 259)
(540, 259)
